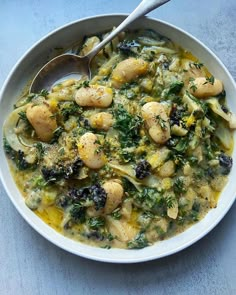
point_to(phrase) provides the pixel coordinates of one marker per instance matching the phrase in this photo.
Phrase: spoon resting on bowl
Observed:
(72, 65)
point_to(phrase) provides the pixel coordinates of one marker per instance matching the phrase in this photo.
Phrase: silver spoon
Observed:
(68, 64)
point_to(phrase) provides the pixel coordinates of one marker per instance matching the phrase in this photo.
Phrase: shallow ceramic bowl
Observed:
(25, 70)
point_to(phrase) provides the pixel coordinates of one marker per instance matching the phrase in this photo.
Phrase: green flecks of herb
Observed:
(194, 215)
(40, 150)
(210, 80)
(38, 182)
(182, 145)
(139, 242)
(197, 65)
(24, 100)
(106, 247)
(8, 149)
(23, 117)
(17, 156)
(193, 87)
(96, 222)
(170, 201)
(161, 122)
(110, 237)
(44, 93)
(127, 125)
(179, 186)
(175, 87)
(199, 174)
(84, 84)
(179, 159)
(56, 134)
(160, 231)
(69, 109)
(61, 151)
(128, 186)
(193, 160)
(77, 213)
(99, 149)
(105, 78)
(116, 214)
(126, 156)
(150, 199)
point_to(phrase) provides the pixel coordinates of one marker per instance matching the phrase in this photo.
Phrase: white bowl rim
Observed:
(59, 241)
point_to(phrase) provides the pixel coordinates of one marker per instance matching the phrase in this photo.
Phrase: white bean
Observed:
(89, 151)
(122, 230)
(94, 96)
(157, 121)
(114, 192)
(42, 120)
(128, 70)
(101, 120)
(202, 88)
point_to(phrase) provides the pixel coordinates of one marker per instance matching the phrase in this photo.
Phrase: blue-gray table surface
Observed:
(29, 264)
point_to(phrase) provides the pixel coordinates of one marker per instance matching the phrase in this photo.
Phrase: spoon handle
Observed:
(143, 8)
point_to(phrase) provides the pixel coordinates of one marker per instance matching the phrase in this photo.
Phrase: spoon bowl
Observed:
(70, 65)
(60, 68)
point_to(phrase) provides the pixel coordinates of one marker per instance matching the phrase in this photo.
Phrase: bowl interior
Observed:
(24, 71)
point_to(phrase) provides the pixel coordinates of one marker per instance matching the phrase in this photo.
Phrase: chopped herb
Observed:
(96, 222)
(127, 125)
(178, 186)
(193, 87)
(44, 93)
(116, 214)
(17, 156)
(23, 117)
(161, 122)
(56, 134)
(70, 109)
(175, 87)
(170, 200)
(126, 156)
(77, 213)
(84, 84)
(106, 247)
(139, 242)
(210, 80)
(8, 149)
(197, 65)
(40, 149)
(182, 145)
(150, 199)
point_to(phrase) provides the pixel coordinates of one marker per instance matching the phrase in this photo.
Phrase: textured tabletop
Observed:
(29, 264)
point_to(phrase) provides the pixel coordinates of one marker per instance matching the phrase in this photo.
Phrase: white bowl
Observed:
(26, 68)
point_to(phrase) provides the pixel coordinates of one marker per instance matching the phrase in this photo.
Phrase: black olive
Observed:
(142, 169)
(226, 163)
